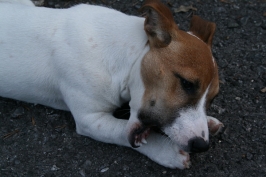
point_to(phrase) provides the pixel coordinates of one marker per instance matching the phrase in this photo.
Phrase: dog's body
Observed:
(90, 60)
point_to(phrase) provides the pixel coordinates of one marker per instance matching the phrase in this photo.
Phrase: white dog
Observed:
(90, 60)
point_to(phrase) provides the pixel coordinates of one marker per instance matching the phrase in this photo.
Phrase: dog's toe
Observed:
(186, 162)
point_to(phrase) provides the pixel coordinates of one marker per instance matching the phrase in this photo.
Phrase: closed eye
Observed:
(190, 87)
(187, 86)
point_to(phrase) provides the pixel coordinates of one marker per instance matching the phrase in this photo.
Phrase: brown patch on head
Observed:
(175, 73)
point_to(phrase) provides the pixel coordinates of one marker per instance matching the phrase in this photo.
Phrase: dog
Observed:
(90, 60)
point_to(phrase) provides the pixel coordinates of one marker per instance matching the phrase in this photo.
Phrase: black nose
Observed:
(198, 145)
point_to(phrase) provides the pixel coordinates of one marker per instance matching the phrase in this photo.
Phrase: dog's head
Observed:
(179, 79)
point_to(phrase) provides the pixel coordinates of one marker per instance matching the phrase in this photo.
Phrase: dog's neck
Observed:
(127, 64)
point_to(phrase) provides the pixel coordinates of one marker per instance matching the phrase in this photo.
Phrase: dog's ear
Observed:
(202, 29)
(158, 23)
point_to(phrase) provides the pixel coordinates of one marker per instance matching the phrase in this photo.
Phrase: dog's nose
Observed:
(198, 145)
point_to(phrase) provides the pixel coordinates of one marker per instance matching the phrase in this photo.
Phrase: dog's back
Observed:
(36, 42)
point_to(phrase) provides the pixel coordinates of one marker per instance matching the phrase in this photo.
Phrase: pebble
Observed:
(137, 6)
(18, 112)
(238, 98)
(244, 20)
(87, 164)
(38, 2)
(50, 3)
(125, 168)
(17, 162)
(220, 9)
(104, 170)
(54, 168)
(263, 90)
(232, 24)
(218, 109)
(82, 173)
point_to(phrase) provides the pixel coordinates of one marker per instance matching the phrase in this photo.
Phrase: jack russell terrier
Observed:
(90, 60)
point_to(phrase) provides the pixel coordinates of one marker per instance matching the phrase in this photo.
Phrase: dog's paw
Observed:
(215, 126)
(163, 151)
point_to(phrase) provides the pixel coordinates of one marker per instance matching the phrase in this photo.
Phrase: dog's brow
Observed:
(193, 81)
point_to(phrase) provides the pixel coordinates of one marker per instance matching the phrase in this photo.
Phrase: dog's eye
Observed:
(187, 86)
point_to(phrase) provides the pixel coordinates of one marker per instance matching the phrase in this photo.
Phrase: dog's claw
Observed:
(140, 139)
(138, 144)
(144, 141)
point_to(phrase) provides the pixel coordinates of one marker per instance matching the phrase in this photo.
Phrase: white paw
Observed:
(163, 151)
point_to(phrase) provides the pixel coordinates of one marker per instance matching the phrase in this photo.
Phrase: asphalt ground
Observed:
(41, 141)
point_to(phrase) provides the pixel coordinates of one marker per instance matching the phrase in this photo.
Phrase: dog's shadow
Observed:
(123, 112)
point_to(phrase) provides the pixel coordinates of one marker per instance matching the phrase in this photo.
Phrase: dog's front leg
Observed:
(102, 127)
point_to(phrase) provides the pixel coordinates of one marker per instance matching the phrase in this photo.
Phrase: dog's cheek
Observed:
(189, 125)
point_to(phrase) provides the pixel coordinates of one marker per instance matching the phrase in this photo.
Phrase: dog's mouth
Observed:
(140, 131)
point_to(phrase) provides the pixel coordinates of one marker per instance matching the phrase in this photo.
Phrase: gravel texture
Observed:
(40, 141)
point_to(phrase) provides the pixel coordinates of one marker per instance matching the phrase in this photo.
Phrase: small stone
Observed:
(248, 129)
(104, 170)
(87, 163)
(257, 23)
(50, 3)
(125, 168)
(38, 2)
(54, 168)
(220, 9)
(263, 90)
(218, 109)
(137, 6)
(236, 7)
(17, 162)
(233, 24)
(244, 20)
(82, 173)
(18, 112)
(238, 98)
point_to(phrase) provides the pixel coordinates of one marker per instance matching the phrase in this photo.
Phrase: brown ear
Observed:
(202, 29)
(158, 23)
